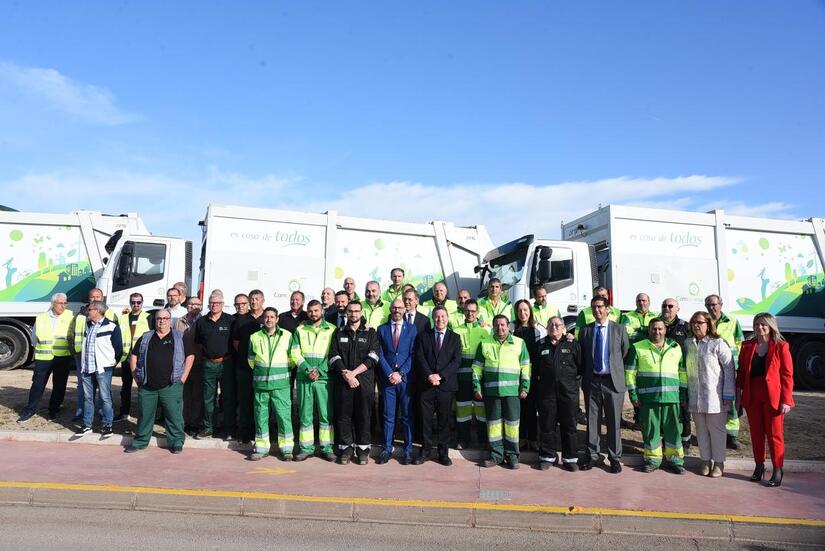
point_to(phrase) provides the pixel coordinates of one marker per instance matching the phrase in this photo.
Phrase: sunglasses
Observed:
(133, 302)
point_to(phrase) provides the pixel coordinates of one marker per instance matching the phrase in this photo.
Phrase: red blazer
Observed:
(778, 372)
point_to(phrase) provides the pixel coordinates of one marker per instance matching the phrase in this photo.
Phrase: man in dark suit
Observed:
(338, 315)
(412, 315)
(397, 341)
(437, 358)
(604, 345)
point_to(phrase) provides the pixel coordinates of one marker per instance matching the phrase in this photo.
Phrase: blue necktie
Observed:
(598, 351)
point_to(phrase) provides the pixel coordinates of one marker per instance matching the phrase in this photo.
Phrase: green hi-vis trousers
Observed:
(468, 408)
(281, 402)
(658, 421)
(503, 414)
(310, 395)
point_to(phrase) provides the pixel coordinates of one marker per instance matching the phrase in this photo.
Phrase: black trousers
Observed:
(439, 402)
(528, 425)
(558, 404)
(353, 411)
(193, 397)
(125, 389)
(58, 367)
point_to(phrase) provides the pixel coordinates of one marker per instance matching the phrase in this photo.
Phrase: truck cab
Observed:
(564, 268)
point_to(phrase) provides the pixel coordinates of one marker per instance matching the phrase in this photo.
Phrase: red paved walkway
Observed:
(802, 495)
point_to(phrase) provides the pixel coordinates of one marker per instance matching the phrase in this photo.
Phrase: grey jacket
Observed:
(619, 344)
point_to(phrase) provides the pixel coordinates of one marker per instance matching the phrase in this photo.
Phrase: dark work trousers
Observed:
(528, 427)
(558, 403)
(243, 382)
(193, 397)
(353, 408)
(229, 395)
(604, 404)
(58, 367)
(438, 402)
(684, 417)
(125, 389)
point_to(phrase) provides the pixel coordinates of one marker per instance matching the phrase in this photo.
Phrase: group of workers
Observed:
(508, 374)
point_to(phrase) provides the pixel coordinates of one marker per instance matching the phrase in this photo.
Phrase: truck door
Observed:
(560, 280)
(141, 268)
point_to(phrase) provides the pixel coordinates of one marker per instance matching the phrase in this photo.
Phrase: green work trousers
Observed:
(312, 394)
(212, 373)
(503, 415)
(658, 421)
(467, 408)
(171, 400)
(279, 401)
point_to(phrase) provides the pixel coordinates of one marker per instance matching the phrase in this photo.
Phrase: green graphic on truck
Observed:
(776, 273)
(38, 261)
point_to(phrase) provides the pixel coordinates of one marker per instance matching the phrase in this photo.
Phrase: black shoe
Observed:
(25, 417)
(131, 449)
(445, 460)
(405, 460)
(511, 464)
(329, 456)
(581, 418)
(422, 458)
(176, 451)
(105, 431)
(383, 458)
(675, 469)
(345, 457)
(758, 473)
(286, 456)
(52, 416)
(302, 456)
(363, 458)
(203, 433)
(545, 465)
(615, 466)
(648, 468)
(83, 430)
(733, 443)
(586, 464)
(776, 478)
(489, 463)
(122, 417)
(571, 466)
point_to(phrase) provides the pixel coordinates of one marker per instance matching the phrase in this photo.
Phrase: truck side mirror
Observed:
(124, 264)
(545, 269)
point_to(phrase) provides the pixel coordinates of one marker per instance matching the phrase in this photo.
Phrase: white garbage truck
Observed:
(754, 264)
(280, 252)
(42, 254)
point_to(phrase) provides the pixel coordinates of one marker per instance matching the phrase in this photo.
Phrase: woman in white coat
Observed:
(711, 389)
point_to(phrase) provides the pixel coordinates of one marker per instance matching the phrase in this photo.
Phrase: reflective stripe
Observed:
(334, 359)
(271, 377)
(493, 384)
(658, 389)
(373, 355)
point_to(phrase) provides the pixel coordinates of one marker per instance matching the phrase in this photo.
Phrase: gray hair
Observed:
(217, 293)
(98, 306)
(58, 296)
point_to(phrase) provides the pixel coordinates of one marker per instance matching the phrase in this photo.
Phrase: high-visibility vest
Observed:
(471, 335)
(487, 310)
(52, 342)
(543, 313)
(636, 324)
(729, 329)
(375, 314)
(80, 328)
(656, 375)
(141, 327)
(310, 347)
(501, 368)
(586, 317)
(390, 294)
(427, 307)
(269, 359)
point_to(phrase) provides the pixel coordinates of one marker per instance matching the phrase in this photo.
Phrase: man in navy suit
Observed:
(437, 358)
(397, 345)
(412, 315)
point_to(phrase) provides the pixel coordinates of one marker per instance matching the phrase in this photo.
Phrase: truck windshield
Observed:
(508, 268)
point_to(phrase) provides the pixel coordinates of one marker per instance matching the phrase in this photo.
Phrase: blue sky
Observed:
(516, 115)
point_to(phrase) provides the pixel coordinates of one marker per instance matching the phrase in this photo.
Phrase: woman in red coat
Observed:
(765, 386)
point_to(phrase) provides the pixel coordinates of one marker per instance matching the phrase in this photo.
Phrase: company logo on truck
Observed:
(286, 239)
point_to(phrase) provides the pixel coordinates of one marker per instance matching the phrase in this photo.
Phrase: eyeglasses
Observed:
(211, 303)
(133, 302)
(699, 322)
(668, 306)
(163, 319)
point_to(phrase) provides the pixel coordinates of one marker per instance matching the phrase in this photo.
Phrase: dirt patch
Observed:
(804, 425)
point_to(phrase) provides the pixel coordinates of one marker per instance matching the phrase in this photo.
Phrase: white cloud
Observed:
(774, 209)
(85, 102)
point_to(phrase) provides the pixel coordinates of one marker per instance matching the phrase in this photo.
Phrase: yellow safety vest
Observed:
(141, 327)
(52, 343)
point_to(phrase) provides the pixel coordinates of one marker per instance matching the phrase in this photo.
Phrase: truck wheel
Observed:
(809, 364)
(14, 347)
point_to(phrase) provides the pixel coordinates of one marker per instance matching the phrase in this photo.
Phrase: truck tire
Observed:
(809, 364)
(14, 347)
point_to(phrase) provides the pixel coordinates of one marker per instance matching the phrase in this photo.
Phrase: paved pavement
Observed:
(223, 482)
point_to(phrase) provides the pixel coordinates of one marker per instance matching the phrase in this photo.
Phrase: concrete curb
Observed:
(732, 464)
(730, 529)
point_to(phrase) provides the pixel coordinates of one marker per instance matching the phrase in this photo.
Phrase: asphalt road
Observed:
(37, 528)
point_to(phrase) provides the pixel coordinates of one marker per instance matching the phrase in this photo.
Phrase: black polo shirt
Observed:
(213, 336)
(160, 358)
(289, 322)
(243, 328)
